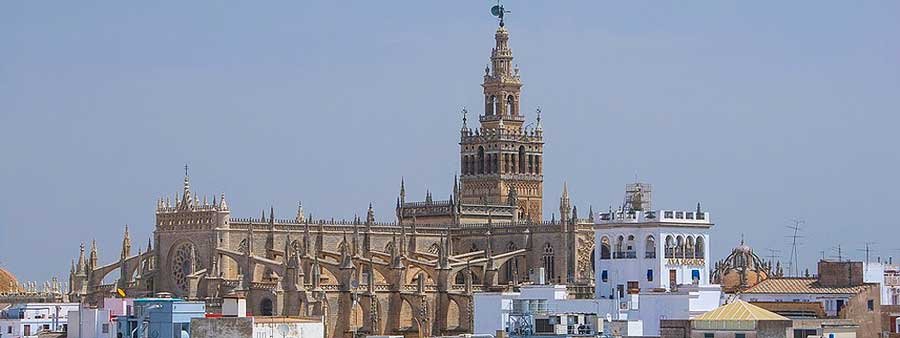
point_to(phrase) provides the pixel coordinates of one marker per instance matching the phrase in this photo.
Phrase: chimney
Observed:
(234, 306)
(538, 276)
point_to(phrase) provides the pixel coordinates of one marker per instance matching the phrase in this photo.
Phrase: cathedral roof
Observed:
(8, 282)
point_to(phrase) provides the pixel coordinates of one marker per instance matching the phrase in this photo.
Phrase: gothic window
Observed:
(699, 251)
(488, 105)
(506, 163)
(496, 165)
(184, 262)
(604, 248)
(266, 307)
(510, 105)
(512, 265)
(497, 105)
(521, 159)
(531, 164)
(548, 262)
(670, 247)
(629, 246)
(434, 249)
(480, 161)
(537, 164)
(650, 247)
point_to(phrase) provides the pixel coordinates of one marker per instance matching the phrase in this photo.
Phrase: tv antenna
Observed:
(499, 12)
(793, 263)
(867, 250)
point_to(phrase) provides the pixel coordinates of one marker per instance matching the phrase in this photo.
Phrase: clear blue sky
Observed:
(762, 111)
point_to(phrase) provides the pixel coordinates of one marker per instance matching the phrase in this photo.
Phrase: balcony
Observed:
(624, 254)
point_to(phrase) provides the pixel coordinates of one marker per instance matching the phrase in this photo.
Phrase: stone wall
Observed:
(222, 327)
(840, 274)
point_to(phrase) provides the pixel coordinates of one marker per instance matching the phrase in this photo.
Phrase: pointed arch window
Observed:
(604, 248)
(510, 105)
(521, 159)
(699, 250)
(480, 161)
(512, 266)
(650, 247)
(670, 247)
(549, 264)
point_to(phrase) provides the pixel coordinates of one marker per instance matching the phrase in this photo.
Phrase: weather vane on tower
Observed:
(498, 11)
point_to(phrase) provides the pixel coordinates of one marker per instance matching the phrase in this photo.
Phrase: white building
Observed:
(29, 319)
(643, 249)
(651, 265)
(87, 322)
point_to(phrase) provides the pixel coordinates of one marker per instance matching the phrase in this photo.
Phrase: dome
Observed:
(741, 270)
(8, 282)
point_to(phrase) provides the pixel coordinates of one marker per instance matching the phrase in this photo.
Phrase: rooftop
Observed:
(654, 216)
(800, 285)
(740, 310)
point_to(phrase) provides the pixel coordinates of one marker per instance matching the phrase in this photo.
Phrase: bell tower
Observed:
(502, 153)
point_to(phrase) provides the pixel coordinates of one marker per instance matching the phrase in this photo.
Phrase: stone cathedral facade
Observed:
(413, 275)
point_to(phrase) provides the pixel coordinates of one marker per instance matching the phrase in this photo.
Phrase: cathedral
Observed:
(412, 275)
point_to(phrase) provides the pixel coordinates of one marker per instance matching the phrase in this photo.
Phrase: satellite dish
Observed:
(497, 11)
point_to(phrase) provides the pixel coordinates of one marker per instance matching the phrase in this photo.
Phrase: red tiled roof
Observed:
(801, 286)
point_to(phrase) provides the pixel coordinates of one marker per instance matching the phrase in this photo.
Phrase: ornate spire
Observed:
(465, 114)
(126, 244)
(81, 269)
(564, 204)
(94, 258)
(540, 125)
(402, 191)
(222, 204)
(186, 199)
(300, 217)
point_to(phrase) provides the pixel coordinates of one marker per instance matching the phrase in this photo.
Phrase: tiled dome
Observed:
(8, 282)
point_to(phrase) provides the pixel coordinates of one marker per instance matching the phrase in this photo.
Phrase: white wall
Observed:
(89, 323)
(491, 310)
(620, 271)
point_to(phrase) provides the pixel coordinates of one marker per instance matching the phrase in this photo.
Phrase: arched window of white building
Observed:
(679, 246)
(604, 248)
(689, 247)
(670, 246)
(699, 250)
(620, 247)
(650, 247)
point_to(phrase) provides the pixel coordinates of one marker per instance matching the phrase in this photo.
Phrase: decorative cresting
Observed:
(743, 269)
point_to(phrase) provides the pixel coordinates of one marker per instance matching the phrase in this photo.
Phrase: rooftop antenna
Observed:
(499, 12)
(867, 250)
(793, 263)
